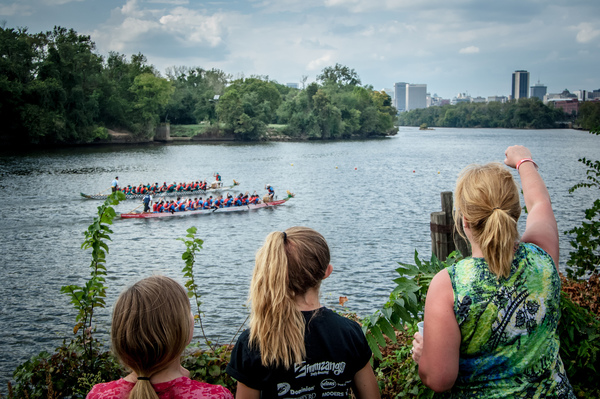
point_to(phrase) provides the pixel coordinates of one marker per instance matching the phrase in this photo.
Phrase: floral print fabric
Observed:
(179, 388)
(509, 345)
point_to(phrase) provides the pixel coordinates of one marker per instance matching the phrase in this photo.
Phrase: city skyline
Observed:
(459, 46)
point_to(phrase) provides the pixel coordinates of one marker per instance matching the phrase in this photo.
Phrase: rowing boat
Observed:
(150, 215)
(165, 194)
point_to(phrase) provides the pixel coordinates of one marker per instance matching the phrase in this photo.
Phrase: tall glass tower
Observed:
(538, 90)
(520, 85)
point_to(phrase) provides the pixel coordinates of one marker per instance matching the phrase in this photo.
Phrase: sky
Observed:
(453, 46)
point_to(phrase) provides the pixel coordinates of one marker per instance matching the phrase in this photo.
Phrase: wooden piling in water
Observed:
(444, 237)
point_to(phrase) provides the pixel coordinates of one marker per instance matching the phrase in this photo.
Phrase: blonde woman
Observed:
(151, 325)
(490, 320)
(295, 348)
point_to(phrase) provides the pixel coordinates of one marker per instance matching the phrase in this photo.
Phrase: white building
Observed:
(499, 99)
(461, 98)
(416, 96)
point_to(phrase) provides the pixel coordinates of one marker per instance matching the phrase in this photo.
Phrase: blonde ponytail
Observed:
(488, 198)
(143, 390)
(287, 265)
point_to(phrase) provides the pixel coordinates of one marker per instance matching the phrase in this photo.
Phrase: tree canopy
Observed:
(528, 113)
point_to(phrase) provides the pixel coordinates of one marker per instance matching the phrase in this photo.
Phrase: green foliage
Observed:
(193, 99)
(209, 365)
(340, 75)
(579, 332)
(339, 108)
(91, 295)
(585, 258)
(528, 113)
(247, 106)
(150, 94)
(589, 115)
(193, 245)
(70, 371)
(407, 300)
(397, 374)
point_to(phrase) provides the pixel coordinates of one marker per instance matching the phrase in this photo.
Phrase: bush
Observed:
(68, 372)
(209, 366)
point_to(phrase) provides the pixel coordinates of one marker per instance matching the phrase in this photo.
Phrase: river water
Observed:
(370, 199)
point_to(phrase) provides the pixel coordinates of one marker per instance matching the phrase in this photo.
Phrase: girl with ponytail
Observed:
(152, 324)
(491, 319)
(295, 348)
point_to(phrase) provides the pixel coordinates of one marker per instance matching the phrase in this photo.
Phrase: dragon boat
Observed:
(166, 194)
(243, 208)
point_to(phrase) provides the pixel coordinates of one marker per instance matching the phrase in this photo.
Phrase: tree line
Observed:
(55, 89)
(526, 113)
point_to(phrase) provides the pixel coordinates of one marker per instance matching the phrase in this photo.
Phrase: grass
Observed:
(190, 130)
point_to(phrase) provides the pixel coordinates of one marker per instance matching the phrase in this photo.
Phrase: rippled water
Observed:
(370, 199)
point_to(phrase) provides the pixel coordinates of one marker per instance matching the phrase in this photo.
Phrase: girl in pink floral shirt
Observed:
(151, 326)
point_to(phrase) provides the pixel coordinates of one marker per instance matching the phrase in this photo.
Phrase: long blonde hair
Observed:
(488, 197)
(150, 328)
(288, 265)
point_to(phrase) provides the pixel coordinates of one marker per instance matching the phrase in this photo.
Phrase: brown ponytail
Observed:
(488, 198)
(288, 264)
(150, 328)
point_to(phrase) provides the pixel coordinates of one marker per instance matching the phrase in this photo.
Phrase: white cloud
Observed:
(586, 32)
(469, 50)
(320, 63)
(57, 2)
(15, 9)
(193, 27)
(170, 2)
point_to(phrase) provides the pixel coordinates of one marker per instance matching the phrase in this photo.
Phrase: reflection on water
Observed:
(370, 199)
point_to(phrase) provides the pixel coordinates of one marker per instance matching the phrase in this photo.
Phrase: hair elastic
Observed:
(496, 207)
(143, 378)
(284, 236)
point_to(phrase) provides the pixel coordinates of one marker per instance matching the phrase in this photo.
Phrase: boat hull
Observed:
(243, 208)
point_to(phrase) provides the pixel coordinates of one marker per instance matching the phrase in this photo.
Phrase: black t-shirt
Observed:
(336, 349)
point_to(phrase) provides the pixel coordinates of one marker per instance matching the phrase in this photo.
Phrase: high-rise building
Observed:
(293, 85)
(520, 85)
(538, 90)
(416, 96)
(400, 96)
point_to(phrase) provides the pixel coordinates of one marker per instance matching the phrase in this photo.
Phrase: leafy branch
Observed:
(407, 300)
(91, 295)
(193, 245)
(585, 258)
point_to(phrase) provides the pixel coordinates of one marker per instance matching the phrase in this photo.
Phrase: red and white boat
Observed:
(243, 208)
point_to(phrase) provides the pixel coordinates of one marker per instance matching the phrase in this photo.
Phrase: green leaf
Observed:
(387, 329)
(373, 346)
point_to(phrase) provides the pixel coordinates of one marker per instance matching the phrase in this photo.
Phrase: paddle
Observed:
(131, 211)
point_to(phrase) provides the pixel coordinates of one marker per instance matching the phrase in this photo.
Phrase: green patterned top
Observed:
(509, 345)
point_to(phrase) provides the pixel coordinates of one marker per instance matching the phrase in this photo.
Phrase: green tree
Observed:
(247, 106)
(16, 65)
(151, 93)
(193, 99)
(340, 75)
(589, 115)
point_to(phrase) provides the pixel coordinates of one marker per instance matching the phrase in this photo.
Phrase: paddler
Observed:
(147, 200)
(271, 191)
(115, 184)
